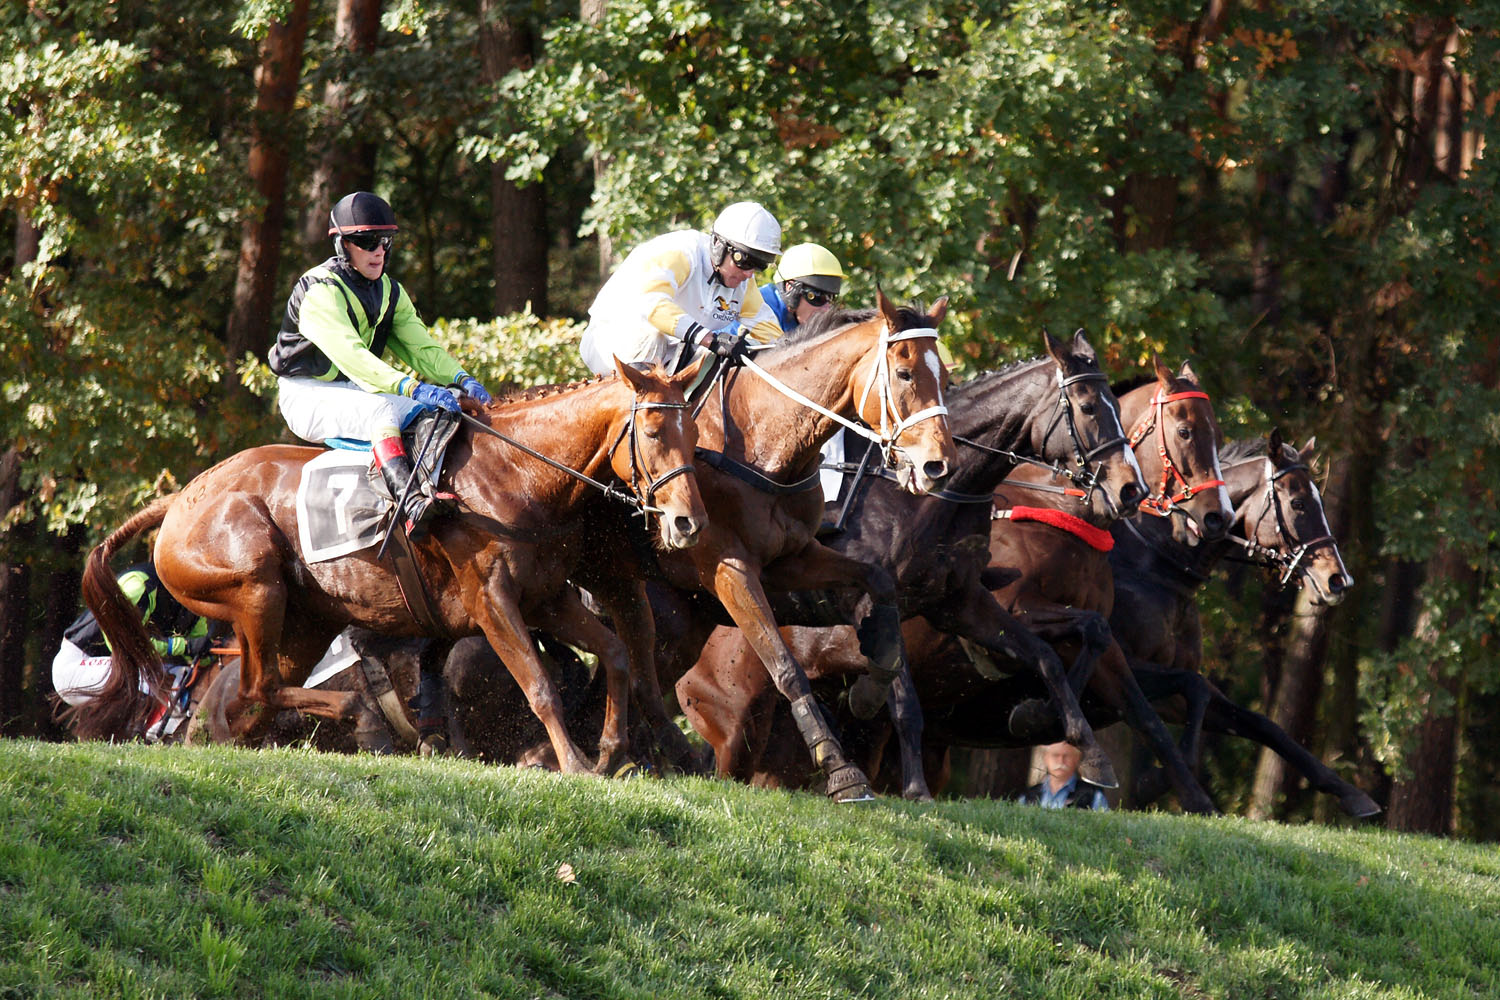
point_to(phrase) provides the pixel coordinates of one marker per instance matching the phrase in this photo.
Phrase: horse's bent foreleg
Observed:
(815, 567)
(980, 618)
(740, 591)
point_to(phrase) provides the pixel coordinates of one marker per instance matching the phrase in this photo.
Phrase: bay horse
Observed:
(1054, 582)
(761, 433)
(1057, 408)
(1278, 523)
(523, 467)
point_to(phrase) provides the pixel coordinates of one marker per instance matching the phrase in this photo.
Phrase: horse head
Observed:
(658, 464)
(903, 395)
(1176, 440)
(1288, 520)
(1086, 427)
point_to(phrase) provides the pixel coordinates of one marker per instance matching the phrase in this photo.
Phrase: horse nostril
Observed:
(686, 526)
(1213, 524)
(1131, 496)
(1337, 584)
(936, 471)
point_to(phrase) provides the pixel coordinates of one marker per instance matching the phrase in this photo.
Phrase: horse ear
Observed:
(1306, 453)
(1082, 346)
(1274, 447)
(1056, 349)
(633, 375)
(938, 311)
(685, 378)
(1186, 371)
(887, 308)
(1163, 373)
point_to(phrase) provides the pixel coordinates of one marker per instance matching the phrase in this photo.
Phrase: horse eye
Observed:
(1087, 409)
(904, 374)
(1299, 505)
(1184, 431)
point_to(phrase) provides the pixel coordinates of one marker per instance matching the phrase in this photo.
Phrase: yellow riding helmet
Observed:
(812, 265)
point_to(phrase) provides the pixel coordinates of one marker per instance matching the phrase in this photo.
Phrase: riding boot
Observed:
(414, 514)
(432, 721)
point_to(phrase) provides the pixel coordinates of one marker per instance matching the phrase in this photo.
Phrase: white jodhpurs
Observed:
(316, 411)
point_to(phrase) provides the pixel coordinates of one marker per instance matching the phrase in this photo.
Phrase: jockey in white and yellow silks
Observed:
(686, 291)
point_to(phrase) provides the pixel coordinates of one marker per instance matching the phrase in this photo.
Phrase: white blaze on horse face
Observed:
(935, 365)
(1224, 502)
(1135, 467)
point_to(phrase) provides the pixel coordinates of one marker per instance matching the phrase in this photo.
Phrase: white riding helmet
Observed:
(747, 225)
(813, 266)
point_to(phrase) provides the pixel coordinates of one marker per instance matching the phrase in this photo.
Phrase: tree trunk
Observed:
(1295, 703)
(347, 162)
(592, 12)
(15, 593)
(249, 330)
(1422, 802)
(518, 215)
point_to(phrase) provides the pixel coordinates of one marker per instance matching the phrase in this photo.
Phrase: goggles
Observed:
(817, 298)
(370, 242)
(748, 260)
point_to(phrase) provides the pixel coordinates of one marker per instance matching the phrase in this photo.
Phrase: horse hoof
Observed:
(631, 771)
(1035, 721)
(866, 698)
(849, 784)
(1096, 768)
(433, 745)
(1359, 805)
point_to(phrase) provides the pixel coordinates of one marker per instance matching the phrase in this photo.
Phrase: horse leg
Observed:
(495, 611)
(568, 620)
(733, 581)
(978, 617)
(729, 705)
(816, 567)
(1115, 684)
(1225, 716)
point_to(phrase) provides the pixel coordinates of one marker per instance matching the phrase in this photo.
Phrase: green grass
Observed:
(170, 872)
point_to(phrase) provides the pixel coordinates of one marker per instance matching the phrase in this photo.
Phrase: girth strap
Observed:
(749, 474)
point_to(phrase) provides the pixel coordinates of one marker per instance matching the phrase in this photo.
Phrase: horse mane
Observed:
(910, 316)
(1242, 450)
(526, 393)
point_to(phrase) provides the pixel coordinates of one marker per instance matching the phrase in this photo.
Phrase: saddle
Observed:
(343, 503)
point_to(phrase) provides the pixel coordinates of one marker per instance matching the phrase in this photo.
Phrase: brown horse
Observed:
(228, 549)
(759, 474)
(1057, 408)
(1053, 582)
(1278, 523)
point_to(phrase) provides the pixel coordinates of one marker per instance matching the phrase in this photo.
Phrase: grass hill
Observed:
(132, 871)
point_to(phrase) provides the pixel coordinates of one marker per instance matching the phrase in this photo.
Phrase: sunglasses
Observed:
(818, 299)
(745, 260)
(370, 242)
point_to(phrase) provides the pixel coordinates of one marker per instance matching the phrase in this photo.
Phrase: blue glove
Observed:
(470, 386)
(435, 396)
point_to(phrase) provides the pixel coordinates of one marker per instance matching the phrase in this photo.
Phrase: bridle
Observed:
(640, 498)
(1161, 503)
(1086, 477)
(1290, 555)
(892, 424)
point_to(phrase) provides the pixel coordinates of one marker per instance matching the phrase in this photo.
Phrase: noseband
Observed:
(647, 504)
(1160, 503)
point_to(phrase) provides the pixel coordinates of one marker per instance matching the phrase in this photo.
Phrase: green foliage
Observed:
(517, 350)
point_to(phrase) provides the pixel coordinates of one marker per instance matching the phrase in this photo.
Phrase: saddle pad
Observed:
(340, 656)
(339, 509)
(832, 479)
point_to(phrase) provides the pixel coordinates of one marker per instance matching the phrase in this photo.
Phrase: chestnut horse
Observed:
(228, 549)
(761, 433)
(1058, 408)
(1278, 523)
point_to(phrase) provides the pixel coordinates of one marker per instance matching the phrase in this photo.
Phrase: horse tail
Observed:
(120, 709)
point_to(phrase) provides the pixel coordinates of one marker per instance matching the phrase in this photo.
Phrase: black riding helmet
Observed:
(360, 212)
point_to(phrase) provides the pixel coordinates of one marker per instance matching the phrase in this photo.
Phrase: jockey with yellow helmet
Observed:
(687, 291)
(807, 281)
(341, 318)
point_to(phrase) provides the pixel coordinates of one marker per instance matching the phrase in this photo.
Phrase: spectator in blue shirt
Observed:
(1062, 788)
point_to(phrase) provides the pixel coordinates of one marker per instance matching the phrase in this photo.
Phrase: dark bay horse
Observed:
(1058, 408)
(1279, 523)
(760, 442)
(228, 549)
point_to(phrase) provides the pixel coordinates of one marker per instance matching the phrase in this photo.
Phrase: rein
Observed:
(1160, 504)
(643, 507)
